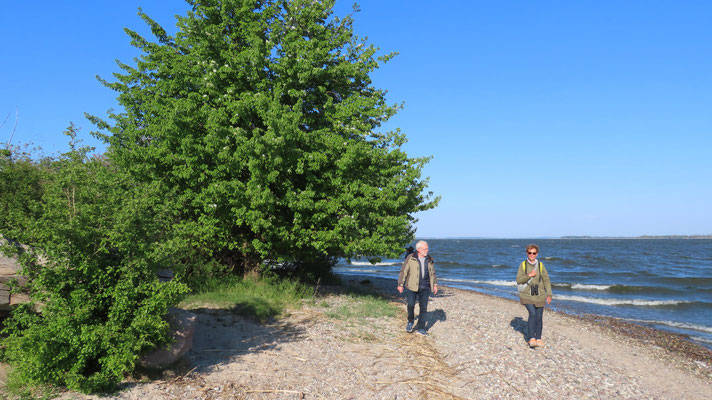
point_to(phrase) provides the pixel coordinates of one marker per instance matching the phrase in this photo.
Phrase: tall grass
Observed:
(362, 306)
(258, 298)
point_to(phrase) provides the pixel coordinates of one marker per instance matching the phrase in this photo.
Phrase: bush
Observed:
(96, 301)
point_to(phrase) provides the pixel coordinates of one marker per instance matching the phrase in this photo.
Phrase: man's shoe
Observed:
(409, 327)
(422, 332)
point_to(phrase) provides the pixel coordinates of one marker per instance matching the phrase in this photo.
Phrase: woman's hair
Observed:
(532, 246)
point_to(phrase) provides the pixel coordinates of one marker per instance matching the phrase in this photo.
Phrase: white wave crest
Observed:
(701, 339)
(495, 282)
(622, 302)
(358, 270)
(366, 263)
(501, 283)
(683, 325)
(581, 286)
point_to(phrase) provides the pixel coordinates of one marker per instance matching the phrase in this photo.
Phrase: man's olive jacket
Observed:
(409, 276)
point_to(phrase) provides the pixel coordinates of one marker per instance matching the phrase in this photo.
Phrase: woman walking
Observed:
(534, 292)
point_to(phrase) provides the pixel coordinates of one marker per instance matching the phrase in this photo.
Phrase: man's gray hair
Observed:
(420, 244)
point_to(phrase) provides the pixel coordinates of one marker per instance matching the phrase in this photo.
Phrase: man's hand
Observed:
(400, 289)
(435, 289)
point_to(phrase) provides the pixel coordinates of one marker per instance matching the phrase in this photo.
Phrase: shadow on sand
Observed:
(432, 317)
(520, 325)
(222, 335)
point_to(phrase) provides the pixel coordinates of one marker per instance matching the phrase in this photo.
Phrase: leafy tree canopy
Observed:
(260, 122)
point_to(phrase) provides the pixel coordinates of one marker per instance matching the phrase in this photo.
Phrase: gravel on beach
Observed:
(475, 349)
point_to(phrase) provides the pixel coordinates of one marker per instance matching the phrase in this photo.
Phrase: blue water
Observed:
(662, 283)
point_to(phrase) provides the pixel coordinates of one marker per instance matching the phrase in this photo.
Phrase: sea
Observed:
(661, 283)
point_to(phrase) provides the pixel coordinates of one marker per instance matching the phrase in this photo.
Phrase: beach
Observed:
(593, 276)
(475, 349)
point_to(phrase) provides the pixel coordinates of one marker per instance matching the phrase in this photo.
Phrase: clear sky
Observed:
(544, 118)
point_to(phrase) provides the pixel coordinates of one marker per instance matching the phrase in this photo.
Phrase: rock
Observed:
(182, 324)
(9, 270)
(18, 298)
(164, 275)
(8, 265)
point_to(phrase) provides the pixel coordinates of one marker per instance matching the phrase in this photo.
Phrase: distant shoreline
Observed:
(574, 237)
(641, 237)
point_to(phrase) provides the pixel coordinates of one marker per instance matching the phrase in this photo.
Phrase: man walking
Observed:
(417, 279)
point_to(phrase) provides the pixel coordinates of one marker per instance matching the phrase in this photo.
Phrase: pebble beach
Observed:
(475, 349)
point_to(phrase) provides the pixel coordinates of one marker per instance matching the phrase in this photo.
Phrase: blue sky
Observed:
(543, 118)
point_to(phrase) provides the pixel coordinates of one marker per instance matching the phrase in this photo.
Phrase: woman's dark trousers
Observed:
(536, 317)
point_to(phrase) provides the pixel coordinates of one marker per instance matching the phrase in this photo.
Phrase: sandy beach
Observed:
(475, 350)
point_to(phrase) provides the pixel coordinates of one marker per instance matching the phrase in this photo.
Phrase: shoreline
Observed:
(575, 311)
(644, 237)
(646, 335)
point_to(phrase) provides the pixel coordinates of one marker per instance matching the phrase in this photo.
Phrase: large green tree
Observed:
(260, 121)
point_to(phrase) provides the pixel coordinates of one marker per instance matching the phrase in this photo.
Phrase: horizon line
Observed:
(707, 236)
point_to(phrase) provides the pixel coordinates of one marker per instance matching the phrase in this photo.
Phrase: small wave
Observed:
(459, 280)
(701, 339)
(501, 283)
(695, 281)
(683, 325)
(619, 289)
(494, 282)
(359, 270)
(622, 302)
(631, 289)
(559, 260)
(499, 266)
(582, 286)
(452, 264)
(366, 263)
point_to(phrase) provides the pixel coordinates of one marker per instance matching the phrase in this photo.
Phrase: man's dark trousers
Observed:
(422, 297)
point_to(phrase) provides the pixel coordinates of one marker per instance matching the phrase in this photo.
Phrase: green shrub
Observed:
(97, 304)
